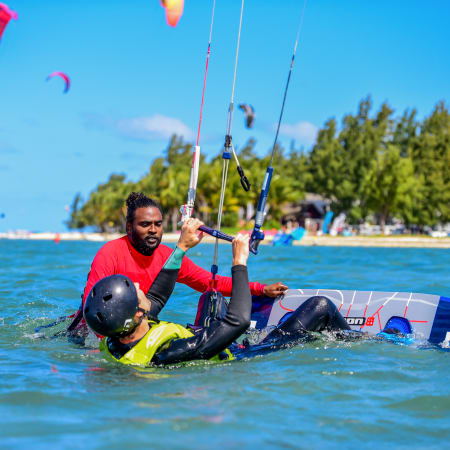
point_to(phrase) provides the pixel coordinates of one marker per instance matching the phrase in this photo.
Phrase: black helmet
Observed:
(111, 306)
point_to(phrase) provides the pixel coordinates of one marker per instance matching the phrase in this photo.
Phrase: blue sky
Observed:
(135, 79)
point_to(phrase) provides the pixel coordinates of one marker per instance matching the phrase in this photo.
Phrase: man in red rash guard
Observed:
(140, 256)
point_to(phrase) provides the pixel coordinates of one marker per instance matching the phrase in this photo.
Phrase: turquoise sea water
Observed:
(322, 395)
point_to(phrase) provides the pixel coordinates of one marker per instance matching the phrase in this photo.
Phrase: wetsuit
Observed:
(171, 343)
(317, 313)
(168, 343)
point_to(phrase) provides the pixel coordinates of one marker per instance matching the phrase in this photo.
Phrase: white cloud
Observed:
(153, 127)
(303, 131)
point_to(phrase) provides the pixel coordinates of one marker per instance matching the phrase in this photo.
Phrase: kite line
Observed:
(257, 235)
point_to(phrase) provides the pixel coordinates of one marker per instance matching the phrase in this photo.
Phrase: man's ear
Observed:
(128, 227)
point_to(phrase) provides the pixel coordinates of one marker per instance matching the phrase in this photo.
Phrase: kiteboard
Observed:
(427, 315)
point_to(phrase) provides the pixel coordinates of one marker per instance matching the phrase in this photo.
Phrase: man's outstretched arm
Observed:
(198, 278)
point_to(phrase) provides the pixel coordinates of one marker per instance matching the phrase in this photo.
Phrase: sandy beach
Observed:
(332, 241)
(376, 241)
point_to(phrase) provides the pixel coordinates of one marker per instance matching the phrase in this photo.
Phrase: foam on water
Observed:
(326, 393)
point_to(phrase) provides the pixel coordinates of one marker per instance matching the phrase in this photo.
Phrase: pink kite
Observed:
(6, 15)
(174, 10)
(63, 76)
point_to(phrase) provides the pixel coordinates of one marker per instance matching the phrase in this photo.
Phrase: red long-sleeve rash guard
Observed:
(120, 257)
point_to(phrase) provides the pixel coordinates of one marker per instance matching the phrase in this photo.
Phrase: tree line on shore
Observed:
(372, 165)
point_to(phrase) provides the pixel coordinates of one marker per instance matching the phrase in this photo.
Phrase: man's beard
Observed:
(143, 246)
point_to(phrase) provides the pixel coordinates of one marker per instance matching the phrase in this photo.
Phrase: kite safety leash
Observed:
(257, 234)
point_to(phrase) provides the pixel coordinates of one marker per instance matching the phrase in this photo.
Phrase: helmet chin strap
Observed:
(143, 311)
(145, 314)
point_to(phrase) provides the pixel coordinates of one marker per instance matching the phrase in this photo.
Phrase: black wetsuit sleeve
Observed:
(215, 338)
(161, 290)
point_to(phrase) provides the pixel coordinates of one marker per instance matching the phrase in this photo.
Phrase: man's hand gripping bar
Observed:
(219, 235)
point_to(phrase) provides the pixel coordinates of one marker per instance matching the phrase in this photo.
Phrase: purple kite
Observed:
(6, 15)
(63, 76)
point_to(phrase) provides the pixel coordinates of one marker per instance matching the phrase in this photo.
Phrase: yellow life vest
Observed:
(157, 338)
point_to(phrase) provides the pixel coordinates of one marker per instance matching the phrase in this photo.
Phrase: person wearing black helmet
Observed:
(118, 309)
(112, 307)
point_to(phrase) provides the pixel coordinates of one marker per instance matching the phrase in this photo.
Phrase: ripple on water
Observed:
(321, 395)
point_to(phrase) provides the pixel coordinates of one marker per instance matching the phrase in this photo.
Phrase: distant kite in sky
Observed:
(174, 10)
(249, 114)
(63, 76)
(6, 15)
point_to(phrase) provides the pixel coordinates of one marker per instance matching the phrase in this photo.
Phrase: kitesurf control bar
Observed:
(218, 234)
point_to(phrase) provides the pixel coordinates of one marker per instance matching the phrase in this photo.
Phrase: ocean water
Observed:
(321, 395)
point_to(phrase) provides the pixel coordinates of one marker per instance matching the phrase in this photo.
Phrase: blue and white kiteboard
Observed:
(368, 311)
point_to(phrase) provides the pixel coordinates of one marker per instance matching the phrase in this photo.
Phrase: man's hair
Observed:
(139, 200)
